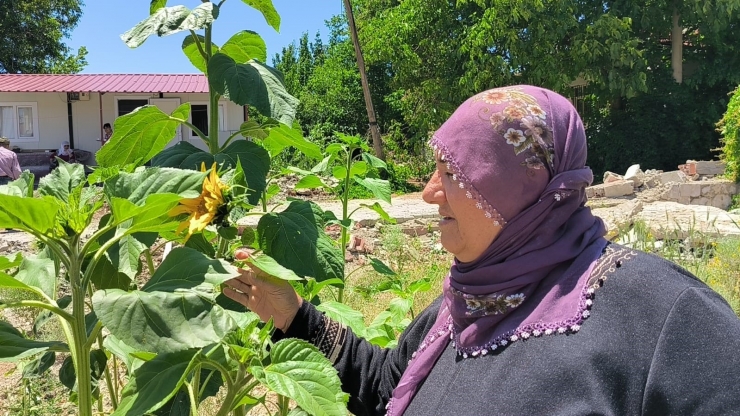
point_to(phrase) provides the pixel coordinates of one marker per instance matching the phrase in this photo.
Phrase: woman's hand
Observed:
(267, 296)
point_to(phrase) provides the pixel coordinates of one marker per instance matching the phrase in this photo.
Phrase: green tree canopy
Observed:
(32, 34)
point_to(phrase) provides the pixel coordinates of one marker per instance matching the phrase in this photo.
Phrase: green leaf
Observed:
(152, 216)
(23, 186)
(155, 382)
(249, 235)
(125, 254)
(379, 187)
(107, 276)
(38, 366)
(358, 168)
(245, 45)
(185, 267)
(253, 129)
(169, 20)
(190, 49)
(374, 161)
(268, 11)
(254, 159)
(13, 346)
(45, 315)
(344, 314)
(137, 186)
(323, 166)
(421, 285)
(300, 372)
(9, 262)
(8, 281)
(295, 238)
(28, 214)
(141, 134)
(156, 5)
(339, 172)
(271, 191)
(200, 243)
(283, 136)
(381, 267)
(229, 233)
(174, 310)
(67, 375)
(173, 157)
(124, 352)
(268, 265)
(38, 273)
(163, 321)
(309, 182)
(255, 162)
(379, 209)
(62, 180)
(253, 83)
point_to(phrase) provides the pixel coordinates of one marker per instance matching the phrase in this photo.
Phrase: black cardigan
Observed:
(658, 342)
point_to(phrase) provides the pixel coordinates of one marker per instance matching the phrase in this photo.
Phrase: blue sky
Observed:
(103, 21)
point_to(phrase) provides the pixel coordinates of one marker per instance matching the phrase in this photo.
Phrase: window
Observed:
(19, 121)
(127, 106)
(199, 116)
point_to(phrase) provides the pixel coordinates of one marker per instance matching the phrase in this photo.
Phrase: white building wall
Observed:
(87, 125)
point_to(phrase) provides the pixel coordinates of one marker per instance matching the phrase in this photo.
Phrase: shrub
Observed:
(729, 126)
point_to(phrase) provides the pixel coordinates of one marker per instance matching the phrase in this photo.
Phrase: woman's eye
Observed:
(449, 174)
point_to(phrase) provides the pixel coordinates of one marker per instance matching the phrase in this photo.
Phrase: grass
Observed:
(715, 261)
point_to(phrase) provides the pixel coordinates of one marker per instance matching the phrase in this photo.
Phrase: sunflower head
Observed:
(208, 207)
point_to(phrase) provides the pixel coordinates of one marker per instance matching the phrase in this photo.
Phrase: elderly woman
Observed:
(65, 153)
(539, 313)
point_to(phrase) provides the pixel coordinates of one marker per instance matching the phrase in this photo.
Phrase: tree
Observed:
(439, 52)
(32, 34)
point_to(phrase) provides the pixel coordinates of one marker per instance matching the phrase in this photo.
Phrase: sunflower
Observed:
(204, 208)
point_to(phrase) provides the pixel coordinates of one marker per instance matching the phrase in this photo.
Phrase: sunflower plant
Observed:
(102, 272)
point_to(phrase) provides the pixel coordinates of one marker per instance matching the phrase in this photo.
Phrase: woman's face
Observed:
(107, 129)
(466, 232)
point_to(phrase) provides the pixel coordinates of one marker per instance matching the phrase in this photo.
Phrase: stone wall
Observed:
(694, 183)
(714, 193)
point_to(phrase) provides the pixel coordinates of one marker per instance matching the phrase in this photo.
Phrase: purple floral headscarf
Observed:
(520, 153)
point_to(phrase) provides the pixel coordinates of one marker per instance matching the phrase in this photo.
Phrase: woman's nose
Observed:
(434, 192)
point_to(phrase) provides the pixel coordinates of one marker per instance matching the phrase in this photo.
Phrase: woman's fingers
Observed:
(241, 254)
(240, 284)
(239, 297)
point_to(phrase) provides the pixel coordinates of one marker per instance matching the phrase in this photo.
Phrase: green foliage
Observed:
(730, 129)
(145, 125)
(33, 33)
(169, 20)
(671, 124)
(295, 238)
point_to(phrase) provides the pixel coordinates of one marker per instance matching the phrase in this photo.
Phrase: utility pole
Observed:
(374, 130)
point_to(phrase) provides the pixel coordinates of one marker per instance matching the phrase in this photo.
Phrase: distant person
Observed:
(65, 153)
(10, 170)
(107, 133)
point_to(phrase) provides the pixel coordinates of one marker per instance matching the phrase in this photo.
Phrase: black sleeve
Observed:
(696, 366)
(368, 373)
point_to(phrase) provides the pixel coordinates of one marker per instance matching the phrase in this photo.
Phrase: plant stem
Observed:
(345, 217)
(115, 378)
(223, 245)
(149, 262)
(213, 146)
(108, 381)
(80, 354)
(283, 405)
(193, 401)
(38, 304)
